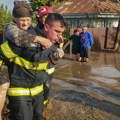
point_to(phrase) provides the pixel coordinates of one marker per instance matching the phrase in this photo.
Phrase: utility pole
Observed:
(116, 45)
(106, 37)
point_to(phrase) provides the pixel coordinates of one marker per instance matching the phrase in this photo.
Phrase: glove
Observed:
(61, 45)
(58, 54)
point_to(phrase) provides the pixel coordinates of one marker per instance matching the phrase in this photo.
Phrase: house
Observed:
(91, 13)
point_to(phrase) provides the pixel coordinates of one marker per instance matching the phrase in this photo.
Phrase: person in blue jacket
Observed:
(86, 41)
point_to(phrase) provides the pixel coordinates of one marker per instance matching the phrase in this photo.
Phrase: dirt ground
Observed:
(71, 105)
(66, 103)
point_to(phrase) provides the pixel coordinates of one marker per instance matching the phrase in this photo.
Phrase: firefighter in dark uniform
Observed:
(41, 16)
(16, 32)
(27, 69)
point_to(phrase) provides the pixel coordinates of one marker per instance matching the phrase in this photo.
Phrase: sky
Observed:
(9, 3)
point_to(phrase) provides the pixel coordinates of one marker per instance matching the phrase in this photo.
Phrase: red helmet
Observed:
(44, 10)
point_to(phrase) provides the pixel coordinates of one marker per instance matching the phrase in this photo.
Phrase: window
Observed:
(102, 0)
(115, 0)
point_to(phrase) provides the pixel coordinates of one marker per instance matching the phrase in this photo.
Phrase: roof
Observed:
(87, 6)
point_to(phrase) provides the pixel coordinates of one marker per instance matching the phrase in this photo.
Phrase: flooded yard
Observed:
(101, 77)
(90, 90)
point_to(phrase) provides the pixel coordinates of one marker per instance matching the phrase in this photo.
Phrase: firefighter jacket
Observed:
(27, 67)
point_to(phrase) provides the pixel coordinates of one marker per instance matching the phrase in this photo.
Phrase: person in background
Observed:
(42, 14)
(86, 41)
(75, 38)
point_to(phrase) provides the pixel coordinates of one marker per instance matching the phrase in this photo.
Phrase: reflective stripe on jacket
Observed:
(50, 70)
(1, 62)
(19, 60)
(25, 64)
(18, 91)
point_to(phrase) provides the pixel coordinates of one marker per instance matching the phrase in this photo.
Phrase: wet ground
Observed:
(86, 91)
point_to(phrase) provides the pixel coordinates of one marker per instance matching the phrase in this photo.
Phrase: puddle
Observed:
(106, 71)
(101, 76)
(105, 80)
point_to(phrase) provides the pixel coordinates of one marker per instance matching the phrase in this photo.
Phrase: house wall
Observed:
(97, 23)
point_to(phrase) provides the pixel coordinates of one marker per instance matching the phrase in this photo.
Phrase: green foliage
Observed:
(5, 16)
(36, 4)
(66, 34)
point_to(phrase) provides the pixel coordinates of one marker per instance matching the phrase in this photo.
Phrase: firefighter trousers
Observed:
(26, 108)
(46, 87)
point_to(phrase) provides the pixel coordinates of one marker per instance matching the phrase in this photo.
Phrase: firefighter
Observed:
(42, 14)
(27, 68)
(21, 38)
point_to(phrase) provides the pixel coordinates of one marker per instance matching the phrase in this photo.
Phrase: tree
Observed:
(5, 16)
(36, 4)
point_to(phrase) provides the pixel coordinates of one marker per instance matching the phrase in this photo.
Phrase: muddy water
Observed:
(99, 78)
